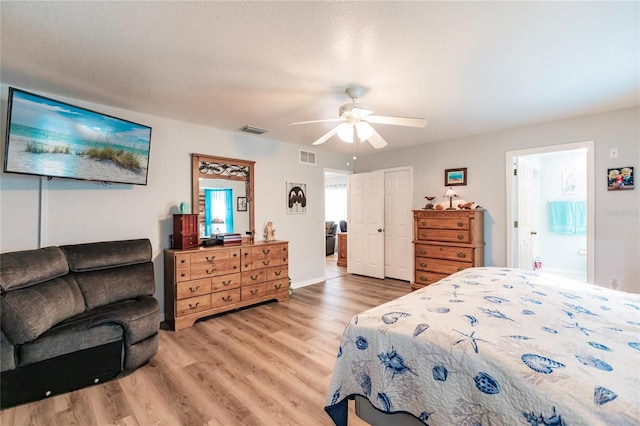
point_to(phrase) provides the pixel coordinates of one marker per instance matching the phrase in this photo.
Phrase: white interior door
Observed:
(365, 245)
(526, 209)
(398, 224)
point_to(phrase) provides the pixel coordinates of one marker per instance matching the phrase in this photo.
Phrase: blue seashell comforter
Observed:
(496, 346)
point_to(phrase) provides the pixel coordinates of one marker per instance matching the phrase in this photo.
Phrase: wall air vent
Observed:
(307, 157)
(254, 130)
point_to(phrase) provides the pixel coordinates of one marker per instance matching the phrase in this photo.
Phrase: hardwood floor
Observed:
(265, 365)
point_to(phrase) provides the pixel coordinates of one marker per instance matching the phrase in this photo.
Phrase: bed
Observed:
(494, 346)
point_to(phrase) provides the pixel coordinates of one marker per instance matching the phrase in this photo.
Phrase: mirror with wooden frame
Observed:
(222, 194)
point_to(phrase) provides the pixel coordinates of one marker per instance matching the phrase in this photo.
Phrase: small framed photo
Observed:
(620, 178)
(296, 198)
(242, 204)
(455, 177)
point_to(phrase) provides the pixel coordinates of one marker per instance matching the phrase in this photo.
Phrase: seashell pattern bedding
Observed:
(496, 346)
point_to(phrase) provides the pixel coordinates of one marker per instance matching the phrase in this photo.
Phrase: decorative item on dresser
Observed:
(185, 231)
(446, 241)
(342, 249)
(205, 281)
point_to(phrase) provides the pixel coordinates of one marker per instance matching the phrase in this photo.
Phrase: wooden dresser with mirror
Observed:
(204, 281)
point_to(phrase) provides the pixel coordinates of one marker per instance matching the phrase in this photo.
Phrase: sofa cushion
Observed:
(28, 312)
(24, 268)
(68, 337)
(107, 286)
(108, 254)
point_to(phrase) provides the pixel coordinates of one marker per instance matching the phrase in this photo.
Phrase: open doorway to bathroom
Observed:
(550, 209)
(335, 202)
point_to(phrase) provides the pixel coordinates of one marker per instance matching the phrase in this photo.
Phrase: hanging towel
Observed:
(568, 217)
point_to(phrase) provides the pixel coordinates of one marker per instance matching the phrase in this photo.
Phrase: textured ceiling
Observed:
(467, 67)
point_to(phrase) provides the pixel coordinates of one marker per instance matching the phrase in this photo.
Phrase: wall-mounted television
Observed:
(50, 138)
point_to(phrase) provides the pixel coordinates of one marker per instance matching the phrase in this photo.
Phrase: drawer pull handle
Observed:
(461, 224)
(254, 277)
(424, 251)
(284, 260)
(462, 255)
(235, 267)
(277, 286)
(193, 306)
(235, 254)
(182, 261)
(212, 271)
(254, 292)
(266, 262)
(183, 274)
(423, 222)
(246, 265)
(460, 237)
(460, 269)
(226, 283)
(226, 298)
(210, 259)
(423, 278)
(277, 273)
(424, 265)
(193, 290)
(266, 251)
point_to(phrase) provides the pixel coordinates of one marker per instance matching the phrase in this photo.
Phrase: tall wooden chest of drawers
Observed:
(446, 241)
(205, 281)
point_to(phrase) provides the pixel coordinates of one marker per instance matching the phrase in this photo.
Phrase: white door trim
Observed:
(590, 146)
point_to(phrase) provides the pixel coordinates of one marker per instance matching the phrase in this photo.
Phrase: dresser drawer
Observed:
(253, 277)
(277, 286)
(183, 274)
(209, 256)
(209, 269)
(227, 297)
(444, 222)
(225, 282)
(425, 278)
(277, 272)
(464, 254)
(448, 235)
(193, 288)
(254, 291)
(193, 305)
(440, 266)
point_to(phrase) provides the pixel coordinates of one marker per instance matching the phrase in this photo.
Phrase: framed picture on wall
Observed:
(455, 177)
(242, 204)
(296, 197)
(620, 178)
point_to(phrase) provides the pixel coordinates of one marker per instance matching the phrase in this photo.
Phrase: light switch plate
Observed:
(613, 152)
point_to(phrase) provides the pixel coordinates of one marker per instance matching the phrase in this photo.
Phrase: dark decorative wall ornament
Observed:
(221, 169)
(296, 197)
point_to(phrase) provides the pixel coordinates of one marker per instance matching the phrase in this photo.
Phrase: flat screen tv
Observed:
(50, 138)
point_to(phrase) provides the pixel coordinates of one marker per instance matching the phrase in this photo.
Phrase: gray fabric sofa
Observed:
(74, 315)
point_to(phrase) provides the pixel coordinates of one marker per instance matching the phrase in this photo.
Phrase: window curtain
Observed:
(335, 207)
(218, 203)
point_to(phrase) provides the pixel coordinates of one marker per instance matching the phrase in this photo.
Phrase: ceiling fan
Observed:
(356, 123)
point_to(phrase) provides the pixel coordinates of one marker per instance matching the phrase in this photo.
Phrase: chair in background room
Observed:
(343, 226)
(330, 230)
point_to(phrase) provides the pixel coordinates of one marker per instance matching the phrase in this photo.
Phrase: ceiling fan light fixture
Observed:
(345, 132)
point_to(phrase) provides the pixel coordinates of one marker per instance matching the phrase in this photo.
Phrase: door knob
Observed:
(534, 233)
(379, 229)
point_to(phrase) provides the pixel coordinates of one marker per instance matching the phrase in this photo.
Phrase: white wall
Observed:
(79, 212)
(617, 221)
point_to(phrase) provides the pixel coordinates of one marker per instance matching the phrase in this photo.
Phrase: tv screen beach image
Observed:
(56, 139)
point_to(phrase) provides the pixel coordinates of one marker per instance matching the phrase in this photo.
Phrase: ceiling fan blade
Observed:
(326, 136)
(316, 121)
(376, 140)
(397, 121)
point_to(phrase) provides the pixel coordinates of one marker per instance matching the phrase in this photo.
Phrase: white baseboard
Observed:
(307, 282)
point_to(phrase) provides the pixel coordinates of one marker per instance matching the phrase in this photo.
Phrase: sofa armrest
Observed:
(139, 318)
